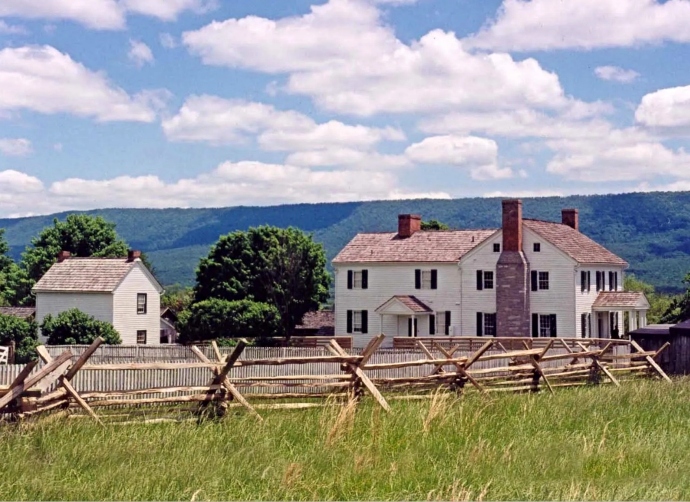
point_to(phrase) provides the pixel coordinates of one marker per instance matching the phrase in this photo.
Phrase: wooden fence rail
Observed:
(89, 377)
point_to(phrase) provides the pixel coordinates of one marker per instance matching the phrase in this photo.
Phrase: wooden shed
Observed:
(676, 359)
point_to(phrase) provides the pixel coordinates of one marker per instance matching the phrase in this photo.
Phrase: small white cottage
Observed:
(120, 291)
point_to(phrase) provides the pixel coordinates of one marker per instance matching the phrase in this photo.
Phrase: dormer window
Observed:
(497, 248)
(537, 247)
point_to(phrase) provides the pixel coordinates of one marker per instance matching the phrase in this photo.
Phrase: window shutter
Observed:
(535, 325)
(583, 281)
(615, 276)
(480, 280)
(432, 324)
(535, 280)
(349, 279)
(480, 324)
(365, 279)
(349, 321)
(417, 279)
(365, 321)
(554, 330)
(589, 280)
(447, 322)
(434, 279)
(409, 326)
(598, 281)
(610, 281)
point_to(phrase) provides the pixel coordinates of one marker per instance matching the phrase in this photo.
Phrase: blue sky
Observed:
(192, 103)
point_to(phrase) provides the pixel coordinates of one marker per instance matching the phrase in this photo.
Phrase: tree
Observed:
(434, 225)
(679, 309)
(282, 267)
(177, 297)
(74, 327)
(659, 303)
(23, 333)
(215, 318)
(6, 268)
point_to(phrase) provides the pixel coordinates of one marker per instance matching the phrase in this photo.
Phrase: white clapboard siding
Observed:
(126, 320)
(585, 299)
(98, 305)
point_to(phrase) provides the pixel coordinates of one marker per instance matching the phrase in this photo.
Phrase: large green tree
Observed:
(282, 267)
(23, 333)
(679, 310)
(659, 303)
(6, 269)
(74, 327)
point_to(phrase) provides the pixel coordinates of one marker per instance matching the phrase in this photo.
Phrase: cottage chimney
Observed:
(571, 217)
(408, 224)
(133, 255)
(63, 255)
(512, 225)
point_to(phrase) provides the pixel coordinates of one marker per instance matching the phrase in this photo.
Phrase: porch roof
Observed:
(620, 300)
(405, 305)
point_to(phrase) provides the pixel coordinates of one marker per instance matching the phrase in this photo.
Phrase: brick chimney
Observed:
(571, 217)
(63, 255)
(408, 224)
(512, 276)
(133, 255)
(512, 225)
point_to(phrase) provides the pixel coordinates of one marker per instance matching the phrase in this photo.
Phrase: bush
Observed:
(74, 327)
(215, 319)
(23, 333)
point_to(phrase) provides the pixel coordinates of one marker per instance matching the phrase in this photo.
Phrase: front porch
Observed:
(405, 315)
(616, 313)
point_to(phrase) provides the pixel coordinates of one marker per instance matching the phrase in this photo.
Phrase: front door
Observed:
(600, 326)
(412, 327)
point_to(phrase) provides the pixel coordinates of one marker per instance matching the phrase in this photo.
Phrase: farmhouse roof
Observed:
(20, 312)
(575, 244)
(323, 321)
(411, 303)
(422, 246)
(621, 299)
(92, 275)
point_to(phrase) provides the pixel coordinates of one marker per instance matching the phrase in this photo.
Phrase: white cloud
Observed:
(218, 121)
(479, 155)
(665, 108)
(348, 157)
(97, 14)
(344, 57)
(8, 29)
(583, 24)
(241, 183)
(139, 53)
(45, 80)
(168, 10)
(616, 74)
(15, 147)
(167, 41)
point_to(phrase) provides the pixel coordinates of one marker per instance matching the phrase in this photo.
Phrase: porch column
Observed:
(595, 325)
(632, 315)
(643, 318)
(380, 323)
(414, 322)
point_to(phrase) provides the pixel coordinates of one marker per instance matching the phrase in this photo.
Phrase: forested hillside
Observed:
(650, 230)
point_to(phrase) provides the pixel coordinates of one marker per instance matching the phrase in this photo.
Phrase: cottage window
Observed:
(440, 321)
(141, 337)
(543, 280)
(537, 247)
(357, 279)
(490, 324)
(141, 303)
(544, 325)
(497, 248)
(585, 281)
(426, 279)
(488, 280)
(357, 321)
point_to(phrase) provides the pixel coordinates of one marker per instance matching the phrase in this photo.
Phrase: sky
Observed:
(213, 103)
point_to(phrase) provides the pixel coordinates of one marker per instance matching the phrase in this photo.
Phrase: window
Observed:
(537, 247)
(141, 337)
(543, 280)
(357, 279)
(544, 325)
(485, 279)
(585, 281)
(497, 248)
(425, 279)
(601, 281)
(357, 321)
(412, 327)
(613, 281)
(141, 303)
(440, 321)
(432, 324)
(490, 324)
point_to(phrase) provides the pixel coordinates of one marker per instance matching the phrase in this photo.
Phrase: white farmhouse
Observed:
(120, 291)
(528, 278)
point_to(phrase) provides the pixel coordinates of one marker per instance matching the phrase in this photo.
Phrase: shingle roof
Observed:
(422, 246)
(85, 274)
(619, 299)
(413, 303)
(323, 321)
(21, 312)
(577, 245)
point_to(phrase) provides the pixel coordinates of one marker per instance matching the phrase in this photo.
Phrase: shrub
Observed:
(74, 327)
(23, 333)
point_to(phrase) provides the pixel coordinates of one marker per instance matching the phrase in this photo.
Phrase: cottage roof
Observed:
(21, 312)
(323, 321)
(422, 246)
(92, 275)
(409, 303)
(620, 300)
(575, 244)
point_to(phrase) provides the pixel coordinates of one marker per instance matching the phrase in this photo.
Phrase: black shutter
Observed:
(447, 322)
(589, 280)
(349, 321)
(432, 324)
(409, 326)
(615, 276)
(434, 279)
(365, 321)
(535, 325)
(417, 279)
(535, 280)
(349, 279)
(610, 281)
(554, 331)
(480, 280)
(480, 324)
(365, 279)
(598, 281)
(583, 281)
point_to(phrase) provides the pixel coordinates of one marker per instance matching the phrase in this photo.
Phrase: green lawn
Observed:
(598, 443)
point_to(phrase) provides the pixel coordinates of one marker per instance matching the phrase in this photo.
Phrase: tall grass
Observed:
(599, 443)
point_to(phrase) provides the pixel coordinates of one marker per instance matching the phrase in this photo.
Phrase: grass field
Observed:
(599, 443)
